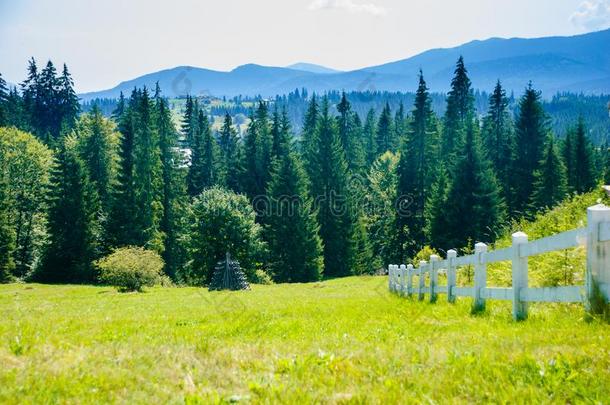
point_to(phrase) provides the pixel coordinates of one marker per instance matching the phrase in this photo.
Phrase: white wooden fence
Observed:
(595, 236)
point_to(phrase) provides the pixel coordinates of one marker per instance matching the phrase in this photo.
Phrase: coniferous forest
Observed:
(339, 193)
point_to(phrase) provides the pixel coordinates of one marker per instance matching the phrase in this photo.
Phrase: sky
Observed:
(106, 42)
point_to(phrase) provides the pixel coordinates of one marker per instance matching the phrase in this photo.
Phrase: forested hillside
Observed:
(360, 183)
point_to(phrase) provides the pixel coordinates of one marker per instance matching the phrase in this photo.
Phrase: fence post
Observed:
(403, 270)
(409, 280)
(433, 277)
(391, 277)
(597, 278)
(519, 269)
(480, 277)
(451, 279)
(422, 280)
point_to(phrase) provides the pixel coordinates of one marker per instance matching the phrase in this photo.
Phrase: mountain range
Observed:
(578, 63)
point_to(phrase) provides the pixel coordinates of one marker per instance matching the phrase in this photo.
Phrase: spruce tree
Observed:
(7, 232)
(347, 122)
(460, 107)
(97, 149)
(550, 184)
(531, 131)
(173, 188)
(72, 227)
(148, 182)
(416, 163)
(291, 228)
(309, 142)
(386, 137)
(257, 153)
(4, 94)
(69, 106)
(497, 137)
(229, 153)
(583, 163)
(474, 207)
(329, 190)
(204, 171)
(436, 202)
(369, 138)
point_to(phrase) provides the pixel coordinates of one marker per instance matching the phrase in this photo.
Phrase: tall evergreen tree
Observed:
(229, 153)
(497, 137)
(436, 218)
(173, 188)
(97, 150)
(550, 184)
(386, 137)
(7, 232)
(583, 163)
(309, 141)
(369, 138)
(29, 91)
(69, 106)
(4, 93)
(530, 134)
(350, 141)
(117, 113)
(148, 176)
(72, 227)
(257, 153)
(291, 227)
(474, 208)
(204, 171)
(460, 107)
(414, 168)
(329, 189)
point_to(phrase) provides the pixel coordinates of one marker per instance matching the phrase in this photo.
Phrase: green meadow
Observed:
(339, 341)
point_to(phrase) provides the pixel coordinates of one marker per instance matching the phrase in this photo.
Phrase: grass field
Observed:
(340, 341)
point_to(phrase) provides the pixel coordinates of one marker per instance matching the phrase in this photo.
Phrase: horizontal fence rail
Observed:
(595, 237)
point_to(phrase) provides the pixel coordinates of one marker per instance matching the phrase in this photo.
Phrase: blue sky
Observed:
(105, 42)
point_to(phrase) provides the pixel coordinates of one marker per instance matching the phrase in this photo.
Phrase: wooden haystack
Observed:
(228, 275)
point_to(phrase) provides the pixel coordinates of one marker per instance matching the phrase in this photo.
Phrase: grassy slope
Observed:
(336, 341)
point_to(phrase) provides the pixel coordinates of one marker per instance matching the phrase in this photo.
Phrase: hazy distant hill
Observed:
(312, 68)
(577, 63)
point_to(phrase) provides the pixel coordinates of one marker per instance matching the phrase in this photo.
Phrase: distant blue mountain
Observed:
(312, 68)
(578, 63)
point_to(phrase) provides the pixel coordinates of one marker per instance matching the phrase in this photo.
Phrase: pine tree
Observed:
(47, 116)
(148, 183)
(568, 156)
(291, 228)
(204, 171)
(173, 188)
(348, 133)
(309, 141)
(400, 122)
(69, 106)
(436, 218)
(4, 119)
(497, 137)
(583, 164)
(386, 137)
(96, 147)
(414, 168)
(7, 232)
(257, 153)
(329, 190)
(190, 115)
(369, 137)
(474, 208)
(229, 153)
(550, 185)
(72, 227)
(118, 112)
(29, 91)
(121, 231)
(460, 107)
(530, 134)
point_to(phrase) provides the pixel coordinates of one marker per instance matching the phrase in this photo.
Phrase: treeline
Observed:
(347, 196)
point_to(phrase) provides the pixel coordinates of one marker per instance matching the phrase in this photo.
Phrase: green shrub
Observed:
(131, 268)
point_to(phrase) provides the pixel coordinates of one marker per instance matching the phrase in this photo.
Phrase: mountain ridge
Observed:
(553, 64)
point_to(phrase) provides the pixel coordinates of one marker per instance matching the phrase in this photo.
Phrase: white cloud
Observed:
(592, 15)
(349, 6)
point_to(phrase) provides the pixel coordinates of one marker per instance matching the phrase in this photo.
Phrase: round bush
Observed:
(131, 268)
